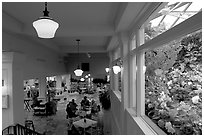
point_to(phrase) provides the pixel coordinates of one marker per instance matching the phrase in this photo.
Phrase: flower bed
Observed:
(173, 86)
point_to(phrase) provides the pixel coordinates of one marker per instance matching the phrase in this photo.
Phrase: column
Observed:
(13, 72)
(124, 43)
(111, 71)
(59, 83)
(140, 79)
(42, 87)
(68, 81)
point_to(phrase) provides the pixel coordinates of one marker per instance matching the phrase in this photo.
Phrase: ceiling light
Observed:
(78, 71)
(82, 79)
(45, 26)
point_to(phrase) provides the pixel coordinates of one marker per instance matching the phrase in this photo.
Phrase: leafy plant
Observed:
(173, 85)
(104, 99)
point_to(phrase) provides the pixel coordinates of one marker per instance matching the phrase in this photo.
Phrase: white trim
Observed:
(144, 127)
(188, 26)
(153, 126)
(140, 79)
(118, 95)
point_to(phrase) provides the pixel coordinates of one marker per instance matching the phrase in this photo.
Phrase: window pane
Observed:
(173, 85)
(171, 15)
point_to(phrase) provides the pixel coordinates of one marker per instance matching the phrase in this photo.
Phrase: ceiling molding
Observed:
(127, 14)
(83, 49)
(113, 43)
(11, 23)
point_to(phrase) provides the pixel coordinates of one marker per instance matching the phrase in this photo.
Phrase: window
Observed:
(168, 79)
(173, 85)
(169, 16)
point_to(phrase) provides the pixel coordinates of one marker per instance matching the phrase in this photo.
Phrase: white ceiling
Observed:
(95, 23)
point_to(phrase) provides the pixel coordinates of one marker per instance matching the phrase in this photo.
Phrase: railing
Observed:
(18, 130)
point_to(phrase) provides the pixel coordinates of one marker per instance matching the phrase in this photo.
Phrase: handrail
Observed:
(18, 129)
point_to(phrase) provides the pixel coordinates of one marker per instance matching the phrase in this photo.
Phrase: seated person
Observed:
(69, 111)
(94, 108)
(85, 103)
(73, 106)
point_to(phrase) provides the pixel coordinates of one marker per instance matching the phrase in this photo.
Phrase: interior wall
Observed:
(97, 65)
(131, 124)
(24, 59)
(39, 60)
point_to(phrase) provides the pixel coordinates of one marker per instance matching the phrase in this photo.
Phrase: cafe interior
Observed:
(80, 68)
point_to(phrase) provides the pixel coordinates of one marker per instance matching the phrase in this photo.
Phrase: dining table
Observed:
(84, 123)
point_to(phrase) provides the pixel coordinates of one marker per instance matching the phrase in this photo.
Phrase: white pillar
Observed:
(132, 75)
(42, 87)
(111, 71)
(68, 81)
(59, 82)
(140, 79)
(13, 68)
(124, 43)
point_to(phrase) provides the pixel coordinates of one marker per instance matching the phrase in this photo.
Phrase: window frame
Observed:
(186, 27)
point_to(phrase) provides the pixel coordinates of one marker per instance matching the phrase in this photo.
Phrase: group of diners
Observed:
(73, 110)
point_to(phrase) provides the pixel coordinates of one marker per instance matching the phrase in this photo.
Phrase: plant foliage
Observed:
(173, 85)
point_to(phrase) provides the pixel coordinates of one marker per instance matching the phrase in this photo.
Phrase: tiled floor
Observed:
(57, 124)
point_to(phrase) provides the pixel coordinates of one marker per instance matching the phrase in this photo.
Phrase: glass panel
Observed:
(173, 85)
(171, 15)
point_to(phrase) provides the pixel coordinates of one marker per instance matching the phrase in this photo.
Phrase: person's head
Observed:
(85, 97)
(73, 100)
(99, 108)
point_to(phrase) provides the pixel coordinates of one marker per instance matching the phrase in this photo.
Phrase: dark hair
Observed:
(98, 107)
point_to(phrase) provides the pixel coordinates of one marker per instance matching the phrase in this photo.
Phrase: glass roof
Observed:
(175, 12)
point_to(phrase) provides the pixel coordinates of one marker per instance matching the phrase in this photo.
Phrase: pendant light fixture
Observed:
(45, 26)
(78, 71)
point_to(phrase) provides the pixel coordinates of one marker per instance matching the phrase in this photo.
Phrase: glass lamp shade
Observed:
(45, 27)
(107, 70)
(78, 72)
(116, 69)
(82, 79)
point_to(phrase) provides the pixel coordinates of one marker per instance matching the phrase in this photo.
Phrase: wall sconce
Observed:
(116, 69)
(107, 70)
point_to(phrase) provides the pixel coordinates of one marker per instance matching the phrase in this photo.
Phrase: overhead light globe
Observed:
(45, 26)
(78, 72)
(82, 79)
(116, 69)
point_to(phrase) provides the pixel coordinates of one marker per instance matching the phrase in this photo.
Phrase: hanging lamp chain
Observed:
(78, 51)
(46, 12)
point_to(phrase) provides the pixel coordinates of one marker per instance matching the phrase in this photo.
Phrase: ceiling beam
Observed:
(83, 49)
(10, 23)
(127, 14)
(76, 31)
(113, 43)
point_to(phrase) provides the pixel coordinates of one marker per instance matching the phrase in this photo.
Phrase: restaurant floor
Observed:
(57, 124)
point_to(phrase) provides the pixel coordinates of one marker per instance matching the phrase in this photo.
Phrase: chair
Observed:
(92, 130)
(29, 124)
